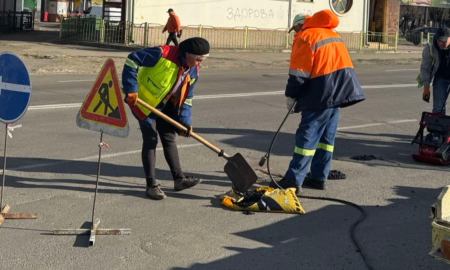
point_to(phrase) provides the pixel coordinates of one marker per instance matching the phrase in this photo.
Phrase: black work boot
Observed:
(186, 182)
(155, 193)
(285, 184)
(313, 183)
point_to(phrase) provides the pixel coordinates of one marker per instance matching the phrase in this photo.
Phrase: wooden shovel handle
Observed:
(179, 126)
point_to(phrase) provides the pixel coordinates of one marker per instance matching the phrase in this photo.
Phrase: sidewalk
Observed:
(43, 53)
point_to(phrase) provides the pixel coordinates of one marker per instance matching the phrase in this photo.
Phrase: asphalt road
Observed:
(52, 166)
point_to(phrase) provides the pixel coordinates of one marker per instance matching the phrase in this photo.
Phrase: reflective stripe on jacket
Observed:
(152, 73)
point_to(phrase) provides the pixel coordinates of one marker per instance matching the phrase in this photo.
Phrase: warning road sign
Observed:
(103, 109)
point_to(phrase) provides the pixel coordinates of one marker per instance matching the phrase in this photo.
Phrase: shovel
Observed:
(238, 170)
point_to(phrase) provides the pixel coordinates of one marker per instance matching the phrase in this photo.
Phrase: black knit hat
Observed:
(197, 45)
(443, 33)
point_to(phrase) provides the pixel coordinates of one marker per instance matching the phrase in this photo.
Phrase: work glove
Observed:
(289, 103)
(186, 133)
(426, 94)
(132, 99)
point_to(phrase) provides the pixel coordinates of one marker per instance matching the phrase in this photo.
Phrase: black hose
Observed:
(363, 212)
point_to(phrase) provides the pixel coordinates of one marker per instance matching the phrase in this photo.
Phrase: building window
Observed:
(341, 7)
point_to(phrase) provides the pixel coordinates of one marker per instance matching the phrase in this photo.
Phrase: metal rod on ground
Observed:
(98, 176)
(4, 166)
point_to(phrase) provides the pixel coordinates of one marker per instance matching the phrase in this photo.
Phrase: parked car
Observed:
(414, 35)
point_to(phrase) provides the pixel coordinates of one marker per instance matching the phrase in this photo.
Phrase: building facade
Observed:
(266, 14)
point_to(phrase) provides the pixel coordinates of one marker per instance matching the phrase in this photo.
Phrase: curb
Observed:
(133, 48)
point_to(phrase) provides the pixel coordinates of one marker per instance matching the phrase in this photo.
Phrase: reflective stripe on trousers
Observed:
(314, 145)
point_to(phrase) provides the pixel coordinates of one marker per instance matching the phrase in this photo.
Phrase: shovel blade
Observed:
(240, 173)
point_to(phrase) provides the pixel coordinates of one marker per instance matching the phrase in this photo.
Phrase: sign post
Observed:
(15, 92)
(103, 110)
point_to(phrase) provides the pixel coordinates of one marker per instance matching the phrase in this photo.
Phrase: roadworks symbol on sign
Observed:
(103, 109)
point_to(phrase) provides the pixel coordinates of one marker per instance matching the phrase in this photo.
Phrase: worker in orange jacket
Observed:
(321, 81)
(298, 22)
(173, 26)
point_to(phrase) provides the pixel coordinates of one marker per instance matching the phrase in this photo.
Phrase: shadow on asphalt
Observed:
(394, 236)
(395, 149)
(107, 185)
(35, 36)
(83, 240)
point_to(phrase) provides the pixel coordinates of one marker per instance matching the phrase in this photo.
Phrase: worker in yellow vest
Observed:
(164, 77)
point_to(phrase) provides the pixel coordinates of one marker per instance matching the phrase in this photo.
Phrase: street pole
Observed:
(14, 15)
(4, 167)
(4, 13)
(98, 177)
(426, 16)
(289, 14)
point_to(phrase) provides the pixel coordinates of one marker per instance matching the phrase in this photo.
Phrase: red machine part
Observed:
(427, 151)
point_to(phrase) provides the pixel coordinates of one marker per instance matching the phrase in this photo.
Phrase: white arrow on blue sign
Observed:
(15, 88)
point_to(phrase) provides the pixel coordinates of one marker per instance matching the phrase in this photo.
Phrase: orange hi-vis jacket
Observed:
(321, 74)
(173, 24)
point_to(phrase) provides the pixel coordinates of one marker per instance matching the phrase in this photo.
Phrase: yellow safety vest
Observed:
(156, 82)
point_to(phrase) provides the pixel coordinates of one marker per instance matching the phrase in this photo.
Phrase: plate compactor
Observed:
(434, 148)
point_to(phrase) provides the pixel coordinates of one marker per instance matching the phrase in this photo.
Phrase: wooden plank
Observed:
(93, 232)
(92, 238)
(95, 225)
(19, 216)
(113, 231)
(6, 209)
(3, 212)
(97, 232)
(71, 231)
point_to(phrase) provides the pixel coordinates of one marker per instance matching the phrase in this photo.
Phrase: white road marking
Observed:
(403, 121)
(361, 126)
(252, 94)
(40, 165)
(274, 74)
(395, 70)
(239, 95)
(378, 124)
(72, 81)
(55, 106)
(383, 86)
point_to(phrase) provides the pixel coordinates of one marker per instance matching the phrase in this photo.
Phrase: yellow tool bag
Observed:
(264, 199)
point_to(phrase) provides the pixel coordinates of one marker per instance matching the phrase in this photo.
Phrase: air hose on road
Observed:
(358, 246)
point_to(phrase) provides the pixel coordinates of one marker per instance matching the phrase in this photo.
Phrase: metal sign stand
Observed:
(4, 214)
(95, 222)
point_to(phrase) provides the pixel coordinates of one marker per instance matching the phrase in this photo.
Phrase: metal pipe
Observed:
(14, 16)
(4, 13)
(98, 175)
(289, 14)
(4, 166)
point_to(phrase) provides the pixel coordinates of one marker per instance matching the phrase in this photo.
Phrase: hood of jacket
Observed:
(322, 19)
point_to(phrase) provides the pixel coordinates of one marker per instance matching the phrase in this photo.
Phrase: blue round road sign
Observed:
(15, 88)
